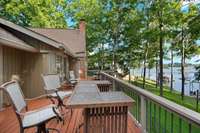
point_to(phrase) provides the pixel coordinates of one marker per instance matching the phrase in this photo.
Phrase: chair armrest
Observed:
(73, 80)
(34, 111)
(35, 98)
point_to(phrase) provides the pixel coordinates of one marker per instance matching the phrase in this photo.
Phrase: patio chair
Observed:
(52, 85)
(27, 119)
(72, 78)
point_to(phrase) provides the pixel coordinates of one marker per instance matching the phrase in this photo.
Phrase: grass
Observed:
(175, 96)
(162, 120)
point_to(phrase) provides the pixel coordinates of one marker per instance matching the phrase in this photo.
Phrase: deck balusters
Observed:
(190, 128)
(150, 117)
(180, 125)
(152, 114)
(154, 118)
(159, 117)
(172, 123)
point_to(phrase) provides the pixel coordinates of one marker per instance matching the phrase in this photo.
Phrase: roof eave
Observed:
(36, 35)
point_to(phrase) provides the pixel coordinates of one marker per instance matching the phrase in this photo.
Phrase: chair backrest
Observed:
(14, 91)
(51, 81)
(71, 75)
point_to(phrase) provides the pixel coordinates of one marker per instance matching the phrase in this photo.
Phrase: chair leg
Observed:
(21, 130)
(41, 128)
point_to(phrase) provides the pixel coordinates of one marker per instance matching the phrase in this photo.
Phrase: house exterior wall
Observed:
(31, 74)
(11, 65)
(57, 63)
(75, 40)
(29, 66)
(30, 62)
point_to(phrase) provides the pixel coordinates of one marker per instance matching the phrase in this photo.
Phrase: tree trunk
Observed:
(102, 56)
(149, 73)
(141, 72)
(161, 61)
(144, 74)
(129, 76)
(156, 72)
(144, 70)
(114, 59)
(182, 66)
(171, 83)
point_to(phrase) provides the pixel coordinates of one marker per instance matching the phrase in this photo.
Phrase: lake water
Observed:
(189, 75)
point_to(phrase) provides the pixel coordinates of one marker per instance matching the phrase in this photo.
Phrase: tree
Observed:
(186, 44)
(35, 13)
(162, 12)
(106, 21)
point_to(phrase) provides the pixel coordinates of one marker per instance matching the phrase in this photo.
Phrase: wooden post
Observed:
(1, 76)
(143, 113)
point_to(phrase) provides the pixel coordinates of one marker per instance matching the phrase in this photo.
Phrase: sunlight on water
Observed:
(189, 75)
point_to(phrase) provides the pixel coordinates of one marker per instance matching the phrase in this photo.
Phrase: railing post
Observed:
(143, 113)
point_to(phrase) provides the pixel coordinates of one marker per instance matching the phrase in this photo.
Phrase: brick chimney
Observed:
(82, 25)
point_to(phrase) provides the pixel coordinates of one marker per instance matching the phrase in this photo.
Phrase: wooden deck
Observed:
(9, 123)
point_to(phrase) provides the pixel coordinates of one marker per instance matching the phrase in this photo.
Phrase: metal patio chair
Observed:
(72, 78)
(27, 119)
(52, 86)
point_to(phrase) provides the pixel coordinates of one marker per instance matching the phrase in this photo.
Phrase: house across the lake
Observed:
(30, 52)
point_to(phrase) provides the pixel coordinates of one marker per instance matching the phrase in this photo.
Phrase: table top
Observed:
(88, 95)
(99, 82)
(86, 88)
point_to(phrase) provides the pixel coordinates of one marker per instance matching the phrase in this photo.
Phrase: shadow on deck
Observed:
(9, 123)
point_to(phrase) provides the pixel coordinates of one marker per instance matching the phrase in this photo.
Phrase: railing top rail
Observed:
(184, 112)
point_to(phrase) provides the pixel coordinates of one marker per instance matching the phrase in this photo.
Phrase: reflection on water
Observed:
(189, 75)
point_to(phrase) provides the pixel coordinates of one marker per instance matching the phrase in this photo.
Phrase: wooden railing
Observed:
(156, 114)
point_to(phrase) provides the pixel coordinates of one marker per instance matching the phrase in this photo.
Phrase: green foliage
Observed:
(35, 13)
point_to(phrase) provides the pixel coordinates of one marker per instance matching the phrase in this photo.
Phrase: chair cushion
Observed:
(62, 94)
(35, 117)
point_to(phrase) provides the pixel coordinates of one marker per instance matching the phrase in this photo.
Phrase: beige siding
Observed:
(11, 65)
(29, 66)
(32, 70)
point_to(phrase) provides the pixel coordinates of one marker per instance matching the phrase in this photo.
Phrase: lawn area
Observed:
(189, 102)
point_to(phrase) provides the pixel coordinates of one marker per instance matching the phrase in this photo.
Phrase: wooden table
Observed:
(103, 85)
(104, 112)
